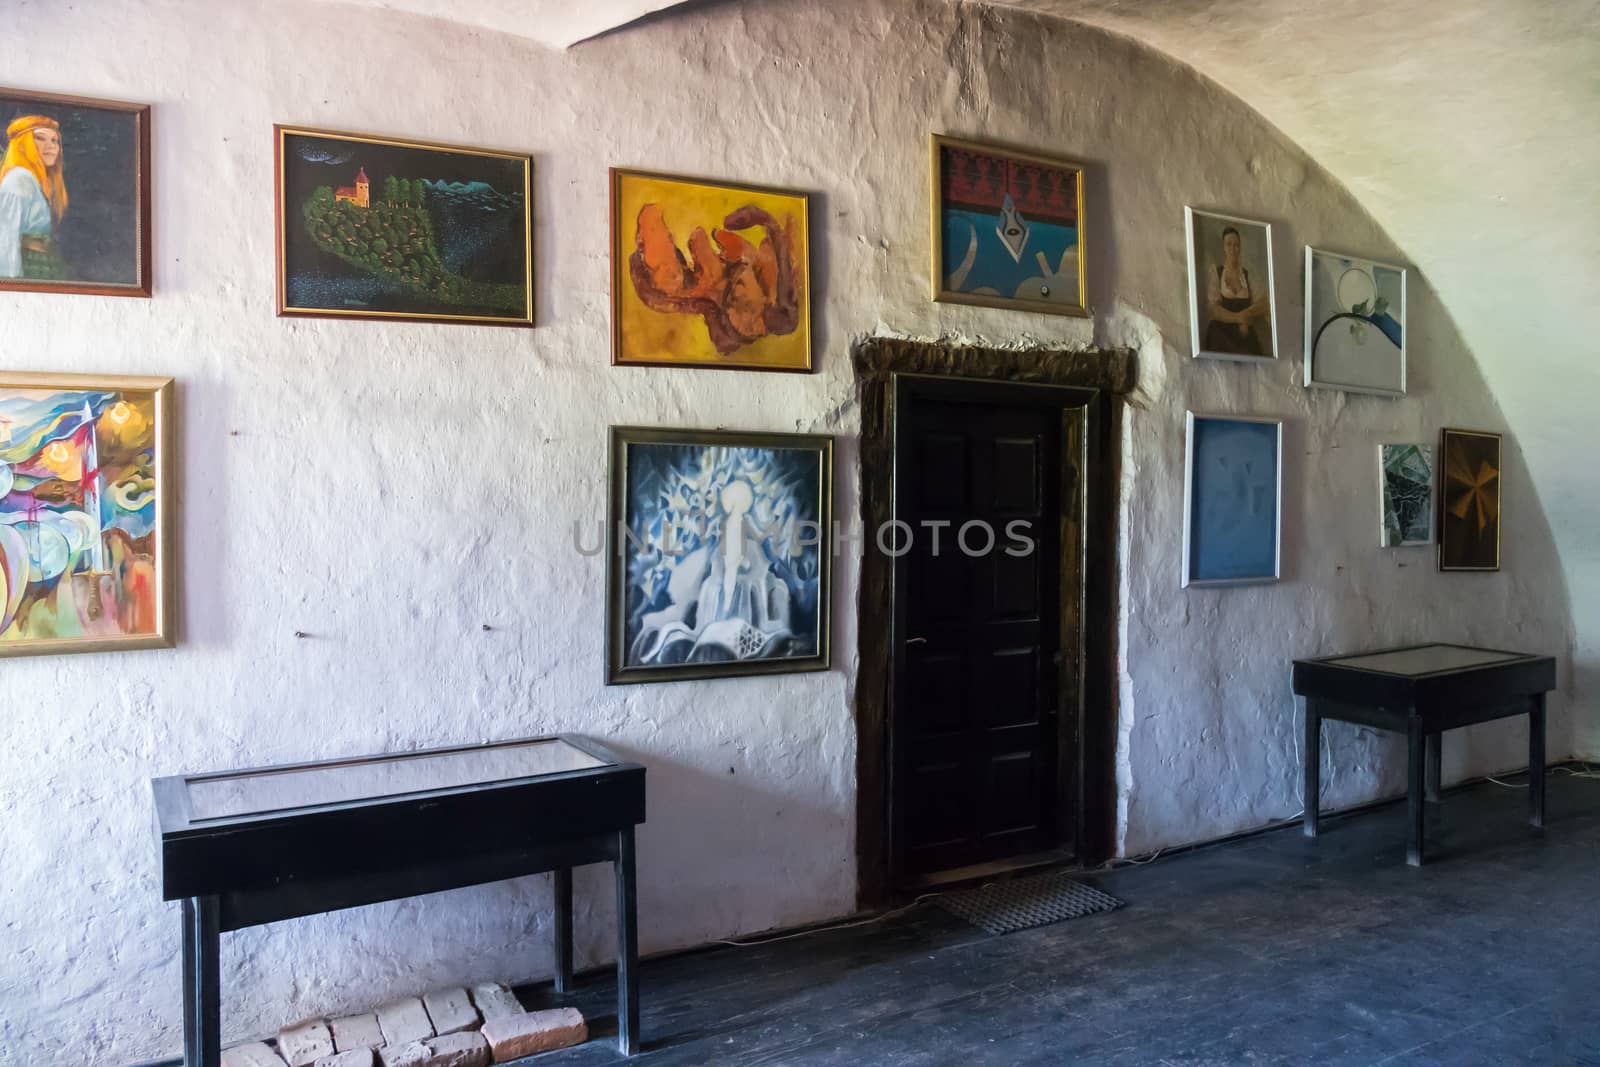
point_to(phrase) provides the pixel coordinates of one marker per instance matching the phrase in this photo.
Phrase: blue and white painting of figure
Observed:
(1355, 324)
(1233, 501)
(723, 555)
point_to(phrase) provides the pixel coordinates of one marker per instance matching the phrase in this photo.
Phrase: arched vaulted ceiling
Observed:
(556, 23)
(1469, 128)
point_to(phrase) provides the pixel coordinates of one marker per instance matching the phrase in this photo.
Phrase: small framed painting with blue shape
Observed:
(1007, 228)
(1355, 324)
(1233, 500)
(719, 553)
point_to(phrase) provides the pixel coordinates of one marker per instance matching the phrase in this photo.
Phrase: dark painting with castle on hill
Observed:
(374, 227)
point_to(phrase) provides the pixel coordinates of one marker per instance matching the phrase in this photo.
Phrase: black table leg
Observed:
(1536, 763)
(627, 946)
(1311, 789)
(1416, 757)
(202, 987)
(1435, 758)
(561, 879)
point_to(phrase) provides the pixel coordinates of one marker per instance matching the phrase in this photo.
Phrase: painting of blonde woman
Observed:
(1231, 296)
(74, 195)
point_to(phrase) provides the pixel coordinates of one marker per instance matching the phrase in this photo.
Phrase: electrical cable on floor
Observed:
(1587, 772)
(852, 924)
(1113, 863)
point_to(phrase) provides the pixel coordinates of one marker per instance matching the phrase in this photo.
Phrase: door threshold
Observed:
(978, 872)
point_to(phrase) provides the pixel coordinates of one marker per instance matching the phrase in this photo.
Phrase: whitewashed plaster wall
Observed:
(390, 490)
(1471, 131)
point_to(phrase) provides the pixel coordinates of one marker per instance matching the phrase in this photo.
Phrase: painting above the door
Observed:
(1007, 228)
(85, 514)
(705, 274)
(719, 553)
(379, 228)
(1355, 324)
(74, 195)
(1233, 500)
(1232, 309)
(1406, 472)
(1469, 513)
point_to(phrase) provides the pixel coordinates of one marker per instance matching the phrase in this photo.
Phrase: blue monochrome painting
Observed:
(1232, 520)
(395, 229)
(1008, 229)
(721, 554)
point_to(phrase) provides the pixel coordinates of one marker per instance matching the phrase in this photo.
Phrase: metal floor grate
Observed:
(1023, 903)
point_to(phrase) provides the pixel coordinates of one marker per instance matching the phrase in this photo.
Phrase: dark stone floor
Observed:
(1273, 949)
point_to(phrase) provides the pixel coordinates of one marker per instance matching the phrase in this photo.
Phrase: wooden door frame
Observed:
(1086, 382)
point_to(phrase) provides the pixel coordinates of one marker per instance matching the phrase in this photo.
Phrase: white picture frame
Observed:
(1344, 289)
(1395, 453)
(1205, 234)
(1260, 562)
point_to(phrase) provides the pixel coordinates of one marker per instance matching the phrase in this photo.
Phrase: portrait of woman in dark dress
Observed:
(1234, 306)
(1231, 291)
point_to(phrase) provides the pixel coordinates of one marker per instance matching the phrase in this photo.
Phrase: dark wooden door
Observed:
(976, 718)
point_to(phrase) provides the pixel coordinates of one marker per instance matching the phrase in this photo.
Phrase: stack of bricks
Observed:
(445, 1028)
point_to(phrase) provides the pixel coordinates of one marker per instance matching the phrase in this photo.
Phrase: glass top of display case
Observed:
(1425, 659)
(240, 794)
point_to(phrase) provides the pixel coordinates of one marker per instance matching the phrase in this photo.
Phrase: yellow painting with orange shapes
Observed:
(709, 275)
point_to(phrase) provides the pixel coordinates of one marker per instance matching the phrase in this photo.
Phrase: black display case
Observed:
(1422, 691)
(245, 847)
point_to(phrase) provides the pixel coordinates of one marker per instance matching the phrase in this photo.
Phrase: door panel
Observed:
(1013, 793)
(939, 688)
(1016, 476)
(974, 727)
(1016, 585)
(1013, 687)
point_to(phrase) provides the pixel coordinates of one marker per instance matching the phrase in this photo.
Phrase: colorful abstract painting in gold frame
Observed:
(86, 514)
(708, 274)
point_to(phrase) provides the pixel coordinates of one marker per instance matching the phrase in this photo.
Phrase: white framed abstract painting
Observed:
(1232, 500)
(1405, 473)
(1232, 295)
(1355, 324)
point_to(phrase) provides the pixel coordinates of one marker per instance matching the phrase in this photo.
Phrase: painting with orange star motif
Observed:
(85, 514)
(1469, 506)
(706, 274)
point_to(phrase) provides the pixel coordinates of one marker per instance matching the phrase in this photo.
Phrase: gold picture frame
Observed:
(413, 282)
(1035, 177)
(76, 575)
(656, 328)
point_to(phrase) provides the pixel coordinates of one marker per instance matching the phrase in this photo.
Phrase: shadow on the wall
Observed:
(207, 429)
